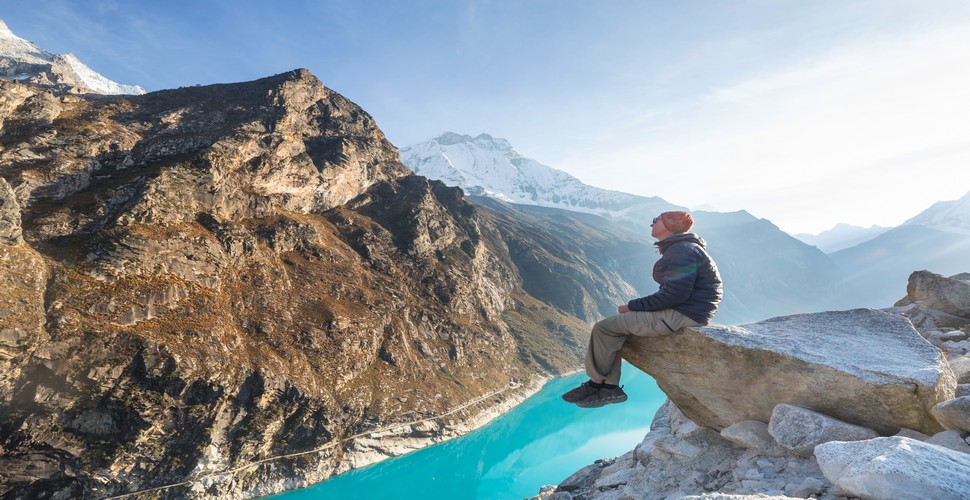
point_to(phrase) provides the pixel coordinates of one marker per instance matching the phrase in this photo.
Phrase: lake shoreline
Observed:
(305, 469)
(539, 442)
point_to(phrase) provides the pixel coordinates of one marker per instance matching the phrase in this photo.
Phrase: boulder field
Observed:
(834, 405)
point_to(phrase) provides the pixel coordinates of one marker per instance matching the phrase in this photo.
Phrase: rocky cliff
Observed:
(238, 289)
(834, 405)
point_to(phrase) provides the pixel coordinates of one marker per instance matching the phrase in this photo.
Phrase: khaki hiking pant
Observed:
(607, 338)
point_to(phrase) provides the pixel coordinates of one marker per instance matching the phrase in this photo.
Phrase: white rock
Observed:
(752, 434)
(961, 348)
(895, 468)
(961, 369)
(954, 440)
(678, 447)
(808, 487)
(800, 430)
(950, 336)
(910, 433)
(953, 414)
(615, 480)
(626, 461)
(680, 425)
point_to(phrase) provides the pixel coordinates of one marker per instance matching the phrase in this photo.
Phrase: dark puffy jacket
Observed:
(689, 281)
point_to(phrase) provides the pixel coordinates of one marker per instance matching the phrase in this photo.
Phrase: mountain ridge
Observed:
(948, 216)
(23, 60)
(841, 236)
(489, 166)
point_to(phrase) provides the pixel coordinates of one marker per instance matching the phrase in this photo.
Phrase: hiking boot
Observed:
(603, 397)
(580, 393)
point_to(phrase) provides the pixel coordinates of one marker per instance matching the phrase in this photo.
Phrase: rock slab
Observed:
(799, 430)
(896, 468)
(861, 366)
(750, 434)
(954, 414)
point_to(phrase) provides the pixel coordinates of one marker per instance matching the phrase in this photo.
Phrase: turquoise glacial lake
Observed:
(542, 441)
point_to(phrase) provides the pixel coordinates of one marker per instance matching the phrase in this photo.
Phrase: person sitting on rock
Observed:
(690, 290)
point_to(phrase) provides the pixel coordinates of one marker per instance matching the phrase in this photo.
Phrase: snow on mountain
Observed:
(23, 60)
(97, 83)
(950, 216)
(841, 236)
(489, 166)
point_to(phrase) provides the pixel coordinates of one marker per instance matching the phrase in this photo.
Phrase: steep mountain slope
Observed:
(488, 166)
(235, 289)
(24, 61)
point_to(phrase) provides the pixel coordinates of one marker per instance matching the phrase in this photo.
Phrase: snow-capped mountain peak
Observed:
(6, 34)
(490, 166)
(24, 61)
(950, 216)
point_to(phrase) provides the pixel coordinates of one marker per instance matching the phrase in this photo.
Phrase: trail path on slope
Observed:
(331, 444)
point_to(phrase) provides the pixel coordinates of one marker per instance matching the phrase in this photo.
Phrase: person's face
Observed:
(658, 230)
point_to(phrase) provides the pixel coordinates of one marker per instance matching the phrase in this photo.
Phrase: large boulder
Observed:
(935, 301)
(894, 468)
(861, 366)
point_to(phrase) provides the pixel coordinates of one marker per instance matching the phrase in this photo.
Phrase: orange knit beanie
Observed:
(677, 222)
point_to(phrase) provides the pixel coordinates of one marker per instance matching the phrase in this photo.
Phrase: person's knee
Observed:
(609, 327)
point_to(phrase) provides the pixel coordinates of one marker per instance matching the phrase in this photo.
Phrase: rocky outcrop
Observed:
(698, 462)
(798, 450)
(678, 459)
(10, 232)
(861, 366)
(896, 467)
(933, 301)
(237, 289)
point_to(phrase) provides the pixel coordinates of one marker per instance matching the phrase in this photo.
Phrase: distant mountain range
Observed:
(24, 61)
(767, 272)
(946, 216)
(937, 240)
(841, 236)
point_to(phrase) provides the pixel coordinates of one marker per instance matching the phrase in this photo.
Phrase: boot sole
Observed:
(601, 402)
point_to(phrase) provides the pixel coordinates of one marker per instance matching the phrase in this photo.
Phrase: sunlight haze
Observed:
(805, 113)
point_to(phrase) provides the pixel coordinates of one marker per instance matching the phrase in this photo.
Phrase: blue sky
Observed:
(807, 113)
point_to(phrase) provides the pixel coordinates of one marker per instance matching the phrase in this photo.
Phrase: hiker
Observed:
(690, 290)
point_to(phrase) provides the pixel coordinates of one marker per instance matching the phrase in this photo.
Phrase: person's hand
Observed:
(623, 309)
